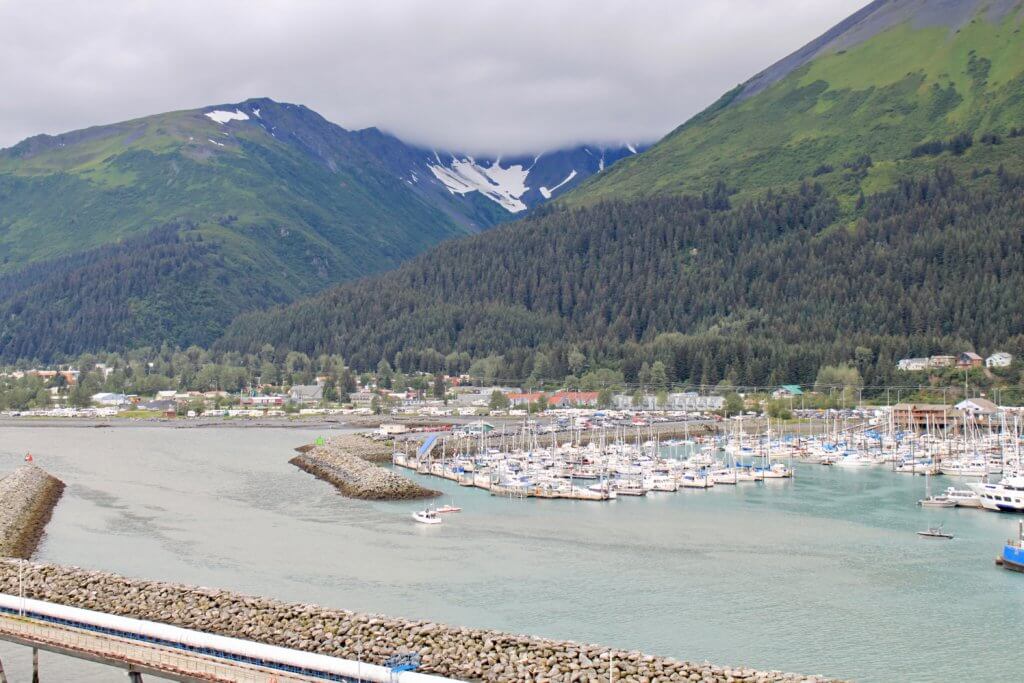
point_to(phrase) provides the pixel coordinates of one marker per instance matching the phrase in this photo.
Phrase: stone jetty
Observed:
(461, 653)
(27, 498)
(341, 462)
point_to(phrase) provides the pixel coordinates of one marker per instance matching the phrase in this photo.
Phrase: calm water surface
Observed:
(823, 574)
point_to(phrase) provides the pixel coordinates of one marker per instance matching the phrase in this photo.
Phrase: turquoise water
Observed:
(822, 574)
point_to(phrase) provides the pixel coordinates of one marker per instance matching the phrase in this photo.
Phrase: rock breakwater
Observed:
(339, 462)
(27, 498)
(463, 653)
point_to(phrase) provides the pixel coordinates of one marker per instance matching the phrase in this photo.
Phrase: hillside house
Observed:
(999, 359)
(969, 359)
(913, 364)
(942, 361)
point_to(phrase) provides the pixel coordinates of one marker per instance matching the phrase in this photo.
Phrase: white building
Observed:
(108, 399)
(977, 406)
(913, 364)
(999, 359)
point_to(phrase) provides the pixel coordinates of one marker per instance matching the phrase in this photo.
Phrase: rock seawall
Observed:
(339, 463)
(463, 653)
(27, 498)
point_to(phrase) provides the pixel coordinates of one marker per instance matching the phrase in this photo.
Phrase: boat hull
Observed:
(1013, 558)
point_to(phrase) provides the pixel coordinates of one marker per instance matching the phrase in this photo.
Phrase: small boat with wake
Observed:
(935, 532)
(448, 508)
(427, 516)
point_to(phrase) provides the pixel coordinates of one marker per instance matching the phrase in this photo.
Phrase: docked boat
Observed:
(935, 532)
(1012, 557)
(930, 501)
(695, 480)
(1006, 496)
(963, 497)
(427, 517)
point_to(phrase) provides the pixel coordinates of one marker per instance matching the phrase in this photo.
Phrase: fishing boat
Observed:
(448, 508)
(427, 517)
(1012, 557)
(935, 532)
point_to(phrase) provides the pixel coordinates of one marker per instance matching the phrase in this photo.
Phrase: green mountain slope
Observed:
(898, 74)
(255, 186)
(763, 292)
(859, 201)
(284, 202)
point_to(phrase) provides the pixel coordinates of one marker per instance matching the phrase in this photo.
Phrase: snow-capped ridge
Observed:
(222, 117)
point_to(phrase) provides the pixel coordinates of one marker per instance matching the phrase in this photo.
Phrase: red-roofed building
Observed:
(524, 399)
(568, 399)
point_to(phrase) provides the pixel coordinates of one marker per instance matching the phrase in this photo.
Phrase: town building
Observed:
(306, 394)
(526, 399)
(922, 416)
(942, 361)
(571, 399)
(788, 391)
(271, 401)
(913, 364)
(109, 399)
(977, 407)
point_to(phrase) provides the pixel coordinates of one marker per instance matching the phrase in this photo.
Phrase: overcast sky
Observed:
(474, 75)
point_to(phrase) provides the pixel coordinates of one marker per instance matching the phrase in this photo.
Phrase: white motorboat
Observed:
(694, 480)
(427, 517)
(959, 468)
(930, 501)
(853, 459)
(963, 498)
(778, 470)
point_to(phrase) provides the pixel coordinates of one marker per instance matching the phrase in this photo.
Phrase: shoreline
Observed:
(29, 497)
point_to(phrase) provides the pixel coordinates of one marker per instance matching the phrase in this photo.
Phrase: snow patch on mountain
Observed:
(547, 193)
(222, 117)
(502, 185)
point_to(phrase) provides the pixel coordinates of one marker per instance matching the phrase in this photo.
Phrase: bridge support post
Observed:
(3, 676)
(35, 665)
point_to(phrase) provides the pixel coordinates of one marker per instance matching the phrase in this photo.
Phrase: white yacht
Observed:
(1006, 496)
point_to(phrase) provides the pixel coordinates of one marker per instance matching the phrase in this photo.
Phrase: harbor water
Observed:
(823, 573)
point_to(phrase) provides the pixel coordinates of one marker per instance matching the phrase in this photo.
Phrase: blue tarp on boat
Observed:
(427, 445)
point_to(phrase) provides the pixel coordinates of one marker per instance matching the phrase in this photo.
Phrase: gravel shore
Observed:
(341, 462)
(27, 498)
(462, 653)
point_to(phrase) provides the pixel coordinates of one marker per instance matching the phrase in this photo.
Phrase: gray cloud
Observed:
(477, 75)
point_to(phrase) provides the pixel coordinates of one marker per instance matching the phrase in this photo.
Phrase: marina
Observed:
(820, 552)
